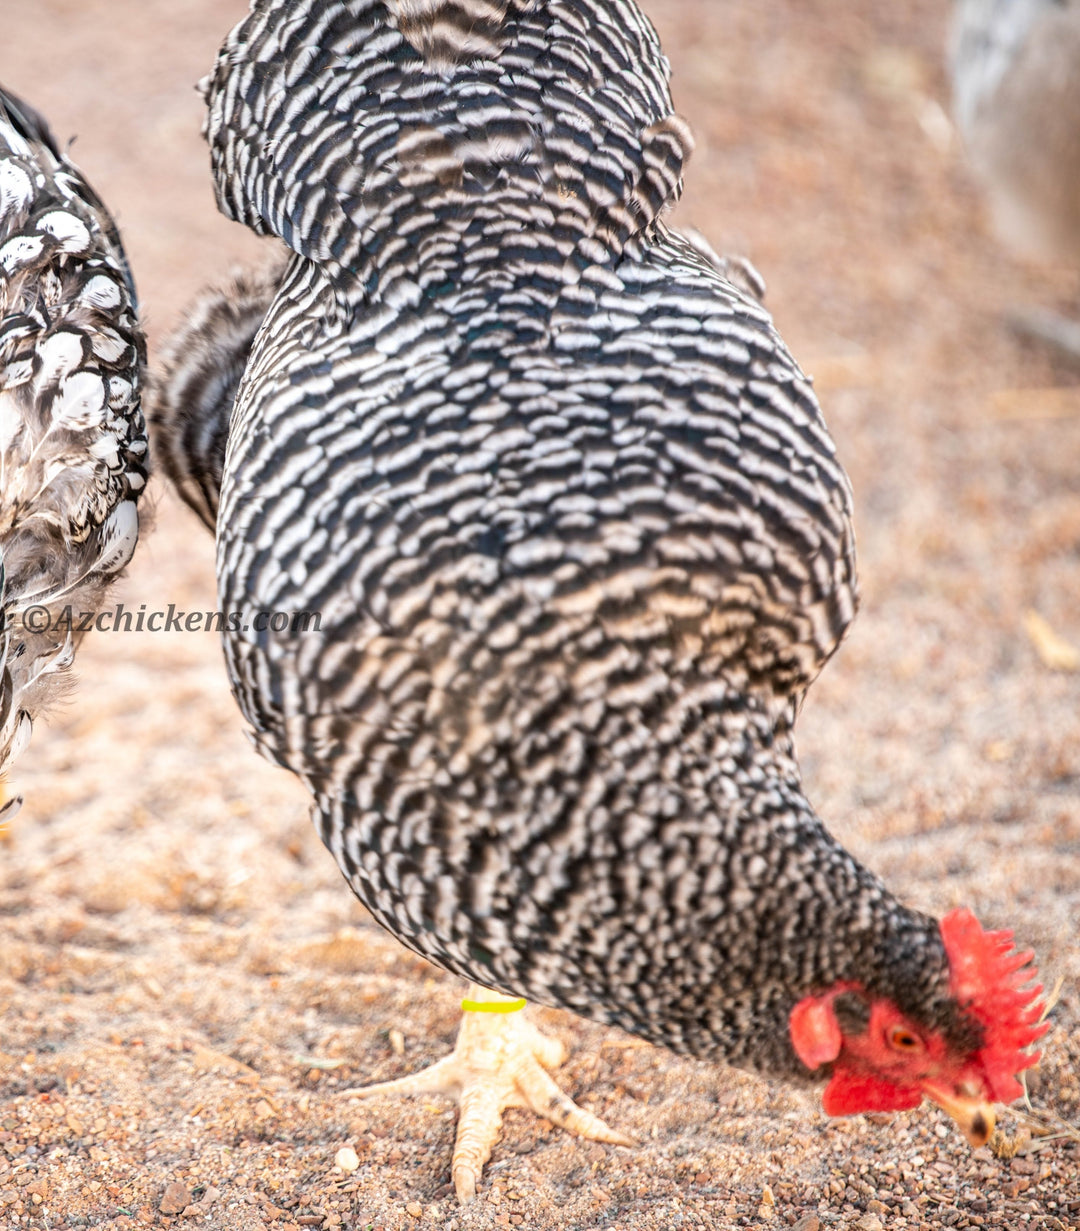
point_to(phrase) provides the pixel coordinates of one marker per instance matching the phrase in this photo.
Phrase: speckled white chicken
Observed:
(73, 449)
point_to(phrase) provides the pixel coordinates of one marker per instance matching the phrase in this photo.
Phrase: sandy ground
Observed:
(181, 968)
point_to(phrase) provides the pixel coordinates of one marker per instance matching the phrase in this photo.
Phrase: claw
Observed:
(500, 1060)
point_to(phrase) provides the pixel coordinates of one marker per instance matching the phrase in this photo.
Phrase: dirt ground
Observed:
(186, 986)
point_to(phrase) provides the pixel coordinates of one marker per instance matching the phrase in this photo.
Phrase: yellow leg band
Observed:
(493, 1006)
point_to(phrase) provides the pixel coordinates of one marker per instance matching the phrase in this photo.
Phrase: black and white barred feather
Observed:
(195, 389)
(567, 507)
(73, 451)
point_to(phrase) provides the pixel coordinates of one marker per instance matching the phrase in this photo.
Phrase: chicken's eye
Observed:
(904, 1039)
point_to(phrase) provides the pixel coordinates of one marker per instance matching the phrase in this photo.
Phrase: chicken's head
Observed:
(883, 1061)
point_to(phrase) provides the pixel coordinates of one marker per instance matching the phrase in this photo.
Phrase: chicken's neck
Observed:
(743, 904)
(674, 881)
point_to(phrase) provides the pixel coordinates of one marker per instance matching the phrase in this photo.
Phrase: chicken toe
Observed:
(500, 1060)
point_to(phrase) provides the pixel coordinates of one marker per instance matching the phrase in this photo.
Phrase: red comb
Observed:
(992, 983)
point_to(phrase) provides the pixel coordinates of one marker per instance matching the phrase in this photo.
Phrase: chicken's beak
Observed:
(967, 1106)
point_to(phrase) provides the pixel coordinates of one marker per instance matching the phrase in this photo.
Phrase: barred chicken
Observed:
(579, 541)
(73, 448)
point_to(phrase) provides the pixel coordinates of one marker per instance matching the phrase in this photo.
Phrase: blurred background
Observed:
(177, 950)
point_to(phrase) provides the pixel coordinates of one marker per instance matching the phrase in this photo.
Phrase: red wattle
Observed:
(849, 1093)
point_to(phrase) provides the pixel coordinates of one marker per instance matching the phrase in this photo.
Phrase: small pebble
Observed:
(808, 1222)
(346, 1159)
(414, 1209)
(175, 1199)
(202, 1206)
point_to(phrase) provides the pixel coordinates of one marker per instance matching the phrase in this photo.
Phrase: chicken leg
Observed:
(500, 1060)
